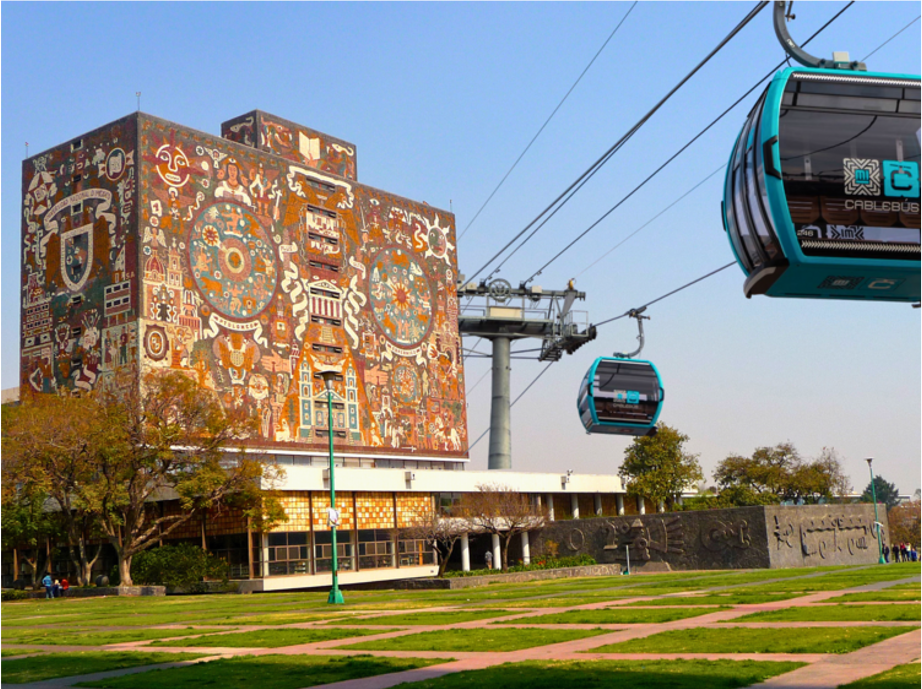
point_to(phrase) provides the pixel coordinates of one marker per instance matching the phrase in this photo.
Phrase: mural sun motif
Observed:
(401, 297)
(232, 260)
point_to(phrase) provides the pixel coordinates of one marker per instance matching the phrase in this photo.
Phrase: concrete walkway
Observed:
(823, 671)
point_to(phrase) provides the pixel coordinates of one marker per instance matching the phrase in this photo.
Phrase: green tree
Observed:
(658, 466)
(109, 455)
(887, 493)
(780, 473)
(183, 565)
(27, 524)
(905, 523)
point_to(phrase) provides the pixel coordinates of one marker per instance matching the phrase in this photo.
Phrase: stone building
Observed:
(254, 262)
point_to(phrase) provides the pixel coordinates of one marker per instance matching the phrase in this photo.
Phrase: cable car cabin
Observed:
(821, 197)
(621, 396)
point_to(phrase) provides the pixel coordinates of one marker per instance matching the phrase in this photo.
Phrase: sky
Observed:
(440, 100)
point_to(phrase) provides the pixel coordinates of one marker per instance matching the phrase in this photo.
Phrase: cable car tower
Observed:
(504, 314)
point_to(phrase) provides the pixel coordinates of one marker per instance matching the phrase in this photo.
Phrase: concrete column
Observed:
(550, 506)
(661, 506)
(500, 424)
(465, 553)
(526, 549)
(497, 553)
(598, 505)
(574, 505)
(264, 559)
(641, 507)
(619, 504)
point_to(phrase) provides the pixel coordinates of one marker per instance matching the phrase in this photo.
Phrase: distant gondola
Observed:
(621, 397)
(821, 197)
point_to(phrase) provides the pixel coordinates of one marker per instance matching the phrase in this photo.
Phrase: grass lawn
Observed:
(442, 617)
(267, 672)
(885, 596)
(54, 665)
(717, 599)
(270, 638)
(463, 640)
(839, 613)
(745, 640)
(276, 618)
(613, 616)
(601, 674)
(906, 676)
(57, 637)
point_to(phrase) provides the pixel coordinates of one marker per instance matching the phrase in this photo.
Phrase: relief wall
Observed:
(258, 274)
(79, 261)
(740, 538)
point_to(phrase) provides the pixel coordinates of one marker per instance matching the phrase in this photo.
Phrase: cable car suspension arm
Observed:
(838, 61)
(636, 313)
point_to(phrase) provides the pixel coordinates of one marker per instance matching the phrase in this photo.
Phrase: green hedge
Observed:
(184, 565)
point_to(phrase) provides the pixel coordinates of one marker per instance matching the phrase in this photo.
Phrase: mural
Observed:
(79, 261)
(251, 272)
(293, 142)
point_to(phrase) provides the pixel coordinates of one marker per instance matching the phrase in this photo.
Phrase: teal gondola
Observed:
(621, 396)
(821, 197)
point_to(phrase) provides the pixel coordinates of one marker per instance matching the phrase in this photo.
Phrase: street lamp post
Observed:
(336, 596)
(880, 547)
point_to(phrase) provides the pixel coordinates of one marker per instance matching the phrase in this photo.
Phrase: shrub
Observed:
(184, 565)
(14, 595)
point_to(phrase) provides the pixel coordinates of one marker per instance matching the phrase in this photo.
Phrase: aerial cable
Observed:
(864, 59)
(597, 165)
(639, 309)
(543, 371)
(534, 138)
(480, 380)
(676, 154)
(606, 254)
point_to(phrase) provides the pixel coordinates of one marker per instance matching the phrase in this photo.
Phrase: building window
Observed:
(323, 551)
(415, 553)
(289, 553)
(376, 549)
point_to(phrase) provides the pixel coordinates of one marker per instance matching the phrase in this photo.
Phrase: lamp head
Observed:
(328, 378)
(869, 460)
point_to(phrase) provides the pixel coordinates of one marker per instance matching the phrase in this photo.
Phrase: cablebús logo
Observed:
(862, 176)
(901, 179)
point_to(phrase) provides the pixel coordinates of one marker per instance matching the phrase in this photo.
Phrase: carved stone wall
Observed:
(739, 538)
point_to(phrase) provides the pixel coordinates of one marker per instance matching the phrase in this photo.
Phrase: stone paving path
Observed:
(823, 671)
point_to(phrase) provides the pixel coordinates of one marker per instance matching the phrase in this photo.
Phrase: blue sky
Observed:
(440, 99)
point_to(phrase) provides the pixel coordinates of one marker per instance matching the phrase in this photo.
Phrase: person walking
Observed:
(886, 553)
(48, 583)
(488, 558)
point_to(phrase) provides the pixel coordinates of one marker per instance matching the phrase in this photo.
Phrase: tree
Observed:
(441, 532)
(45, 454)
(112, 453)
(182, 565)
(500, 510)
(26, 522)
(781, 472)
(658, 467)
(905, 524)
(887, 493)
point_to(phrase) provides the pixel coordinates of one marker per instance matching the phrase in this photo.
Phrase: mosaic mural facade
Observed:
(254, 266)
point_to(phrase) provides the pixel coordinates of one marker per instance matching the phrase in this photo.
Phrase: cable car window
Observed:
(852, 181)
(749, 244)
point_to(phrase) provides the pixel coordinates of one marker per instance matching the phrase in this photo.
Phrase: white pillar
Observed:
(574, 505)
(497, 553)
(661, 506)
(641, 507)
(264, 558)
(526, 549)
(619, 504)
(465, 553)
(598, 505)
(550, 506)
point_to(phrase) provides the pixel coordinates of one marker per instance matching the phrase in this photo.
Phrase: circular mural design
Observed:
(406, 385)
(233, 260)
(401, 298)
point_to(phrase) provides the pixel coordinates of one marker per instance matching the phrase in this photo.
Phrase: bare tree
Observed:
(441, 532)
(500, 510)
